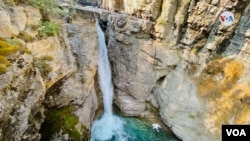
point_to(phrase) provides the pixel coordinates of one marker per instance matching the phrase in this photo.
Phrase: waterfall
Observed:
(108, 127)
(104, 72)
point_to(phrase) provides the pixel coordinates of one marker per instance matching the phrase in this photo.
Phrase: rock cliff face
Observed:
(182, 61)
(48, 78)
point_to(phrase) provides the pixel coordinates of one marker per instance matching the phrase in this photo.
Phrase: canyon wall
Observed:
(48, 89)
(182, 61)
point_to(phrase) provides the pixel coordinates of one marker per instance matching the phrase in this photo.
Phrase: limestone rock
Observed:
(180, 107)
(145, 71)
(215, 2)
(23, 86)
(143, 9)
(61, 64)
(130, 106)
(165, 20)
(7, 28)
(239, 44)
(123, 38)
(22, 99)
(19, 17)
(79, 88)
(126, 25)
(33, 15)
(137, 66)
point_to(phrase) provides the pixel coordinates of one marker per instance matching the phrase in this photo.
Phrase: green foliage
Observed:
(43, 4)
(13, 2)
(50, 6)
(42, 65)
(191, 116)
(50, 29)
(47, 58)
(33, 27)
(6, 49)
(3, 68)
(27, 51)
(63, 119)
(4, 60)
(162, 21)
(195, 50)
(25, 36)
(15, 42)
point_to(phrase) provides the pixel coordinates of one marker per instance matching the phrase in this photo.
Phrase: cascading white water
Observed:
(104, 72)
(108, 127)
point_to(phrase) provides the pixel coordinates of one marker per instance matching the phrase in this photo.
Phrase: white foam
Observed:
(156, 126)
(108, 127)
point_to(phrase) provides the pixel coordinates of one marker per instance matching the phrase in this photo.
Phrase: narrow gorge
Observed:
(172, 62)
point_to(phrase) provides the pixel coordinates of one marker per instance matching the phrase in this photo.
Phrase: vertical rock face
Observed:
(62, 63)
(79, 88)
(22, 94)
(148, 9)
(50, 72)
(22, 87)
(180, 108)
(138, 62)
(184, 62)
(12, 26)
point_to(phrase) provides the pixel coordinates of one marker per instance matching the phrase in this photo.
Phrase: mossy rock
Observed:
(3, 68)
(6, 49)
(50, 29)
(42, 65)
(14, 2)
(63, 120)
(4, 60)
(25, 36)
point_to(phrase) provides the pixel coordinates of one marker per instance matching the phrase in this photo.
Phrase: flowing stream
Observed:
(110, 127)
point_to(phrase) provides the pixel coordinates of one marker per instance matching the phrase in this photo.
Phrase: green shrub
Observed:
(47, 58)
(3, 68)
(6, 49)
(161, 21)
(13, 2)
(4, 60)
(43, 4)
(64, 119)
(42, 65)
(15, 42)
(50, 6)
(50, 29)
(27, 51)
(25, 36)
